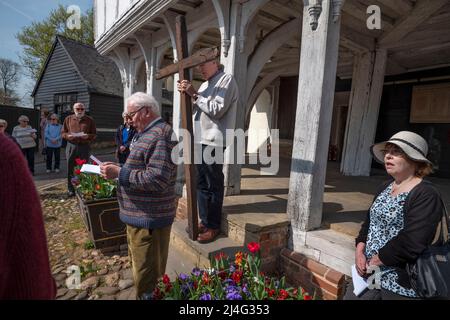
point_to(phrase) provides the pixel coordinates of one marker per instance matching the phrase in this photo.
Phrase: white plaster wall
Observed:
(110, 13)
(114, 10)
(260, 119)
(99, 17)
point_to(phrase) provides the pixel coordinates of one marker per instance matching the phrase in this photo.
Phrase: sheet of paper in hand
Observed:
(93, 158)
(90, 168)
(359, 283)
(78, 134)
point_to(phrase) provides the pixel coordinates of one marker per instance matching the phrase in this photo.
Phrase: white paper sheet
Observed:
(78, 134)
(90, 168)
(359, 283)
(93, 158)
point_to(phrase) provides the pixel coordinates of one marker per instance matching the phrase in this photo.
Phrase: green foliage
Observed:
(89, 245)
(37, 38)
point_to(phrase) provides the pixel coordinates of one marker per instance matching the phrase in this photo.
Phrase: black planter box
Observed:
(102, 221)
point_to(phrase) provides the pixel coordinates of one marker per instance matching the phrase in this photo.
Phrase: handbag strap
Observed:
(442, 228)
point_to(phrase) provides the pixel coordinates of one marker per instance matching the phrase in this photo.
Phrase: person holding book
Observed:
(26, 136)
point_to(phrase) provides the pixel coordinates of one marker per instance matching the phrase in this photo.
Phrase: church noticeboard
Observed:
(431, 104)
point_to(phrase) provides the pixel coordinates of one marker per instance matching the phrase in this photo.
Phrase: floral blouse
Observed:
(386, 221)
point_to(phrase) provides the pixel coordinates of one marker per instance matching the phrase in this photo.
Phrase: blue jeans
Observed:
(210, 191)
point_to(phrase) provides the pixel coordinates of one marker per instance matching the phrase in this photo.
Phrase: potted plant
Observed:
(99, 208)
(229, 279)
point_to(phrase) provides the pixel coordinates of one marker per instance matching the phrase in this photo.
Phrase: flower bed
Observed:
(237, 279)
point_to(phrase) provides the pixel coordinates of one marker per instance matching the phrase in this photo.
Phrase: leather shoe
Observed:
(208, 236)
(201, 228)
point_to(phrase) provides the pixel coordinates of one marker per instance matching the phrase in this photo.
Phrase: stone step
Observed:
(201, 253)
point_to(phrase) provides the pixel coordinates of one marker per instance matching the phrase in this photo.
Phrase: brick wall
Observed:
(314, 277)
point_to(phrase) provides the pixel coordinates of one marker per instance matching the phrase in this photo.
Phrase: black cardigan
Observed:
(422, 212)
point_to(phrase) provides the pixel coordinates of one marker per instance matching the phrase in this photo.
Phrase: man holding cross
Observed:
(215, 107)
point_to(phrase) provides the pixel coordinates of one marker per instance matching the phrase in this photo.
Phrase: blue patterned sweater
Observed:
(146, 191)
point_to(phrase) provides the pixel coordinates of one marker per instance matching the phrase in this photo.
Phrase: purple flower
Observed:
(206, 296)
(230, 289)
(196, 272)
(183, 276)
(232, 268)
(234, 296)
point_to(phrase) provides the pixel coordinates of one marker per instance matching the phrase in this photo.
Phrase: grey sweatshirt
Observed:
(215, 110)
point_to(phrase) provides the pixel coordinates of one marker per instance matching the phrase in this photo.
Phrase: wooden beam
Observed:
(355, 41)
(423, 10)
(197, 58)
(401, 7)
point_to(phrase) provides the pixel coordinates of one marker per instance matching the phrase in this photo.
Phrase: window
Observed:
(64, 102)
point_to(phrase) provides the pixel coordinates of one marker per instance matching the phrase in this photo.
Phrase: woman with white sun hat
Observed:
(402, 220)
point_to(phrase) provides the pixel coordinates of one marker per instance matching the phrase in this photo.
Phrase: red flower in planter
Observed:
(98, 187)
(237, 276)
(166, 279)
(307, 297)
(253, 247)
(80, 162)
(220, 256)
(77, 172)
(283, 294)
(270, 292)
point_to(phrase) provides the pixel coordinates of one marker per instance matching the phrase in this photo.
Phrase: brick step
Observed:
(269, 230)
(198, 252)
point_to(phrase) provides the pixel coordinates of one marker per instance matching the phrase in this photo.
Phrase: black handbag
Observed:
(430, 274)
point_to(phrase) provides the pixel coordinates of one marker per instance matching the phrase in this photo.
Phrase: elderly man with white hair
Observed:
(146, 192)
(79, 130)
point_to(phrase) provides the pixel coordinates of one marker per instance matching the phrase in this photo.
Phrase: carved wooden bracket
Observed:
(226, 46)
(314, 10)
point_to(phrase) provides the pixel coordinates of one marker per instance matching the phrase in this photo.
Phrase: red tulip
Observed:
(166, 279)
(253, 247)
(78, 172)
(98, 187)
(80, 162)
(307, 297)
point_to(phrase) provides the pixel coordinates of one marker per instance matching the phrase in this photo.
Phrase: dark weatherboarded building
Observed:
(75, 72)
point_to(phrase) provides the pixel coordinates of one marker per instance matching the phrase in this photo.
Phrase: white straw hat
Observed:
(414, 146)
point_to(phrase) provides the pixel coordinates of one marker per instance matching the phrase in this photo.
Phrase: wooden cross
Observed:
(182, 67)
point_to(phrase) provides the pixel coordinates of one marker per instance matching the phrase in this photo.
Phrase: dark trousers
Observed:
(210, 192)
(74, 151)
(374, 294)
(50, 152)
(29, 155)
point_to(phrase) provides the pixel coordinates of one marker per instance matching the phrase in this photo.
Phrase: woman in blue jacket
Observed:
(53, 141)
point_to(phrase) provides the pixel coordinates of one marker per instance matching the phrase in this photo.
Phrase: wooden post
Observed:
(186, 123)
(365, 99)
(317, 76)
(182, 67)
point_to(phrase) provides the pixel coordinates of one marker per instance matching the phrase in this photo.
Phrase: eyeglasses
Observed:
(2, 126)
(79, 109)
(23, 121)
(53, 119)
(130, 115)
(396, 152)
